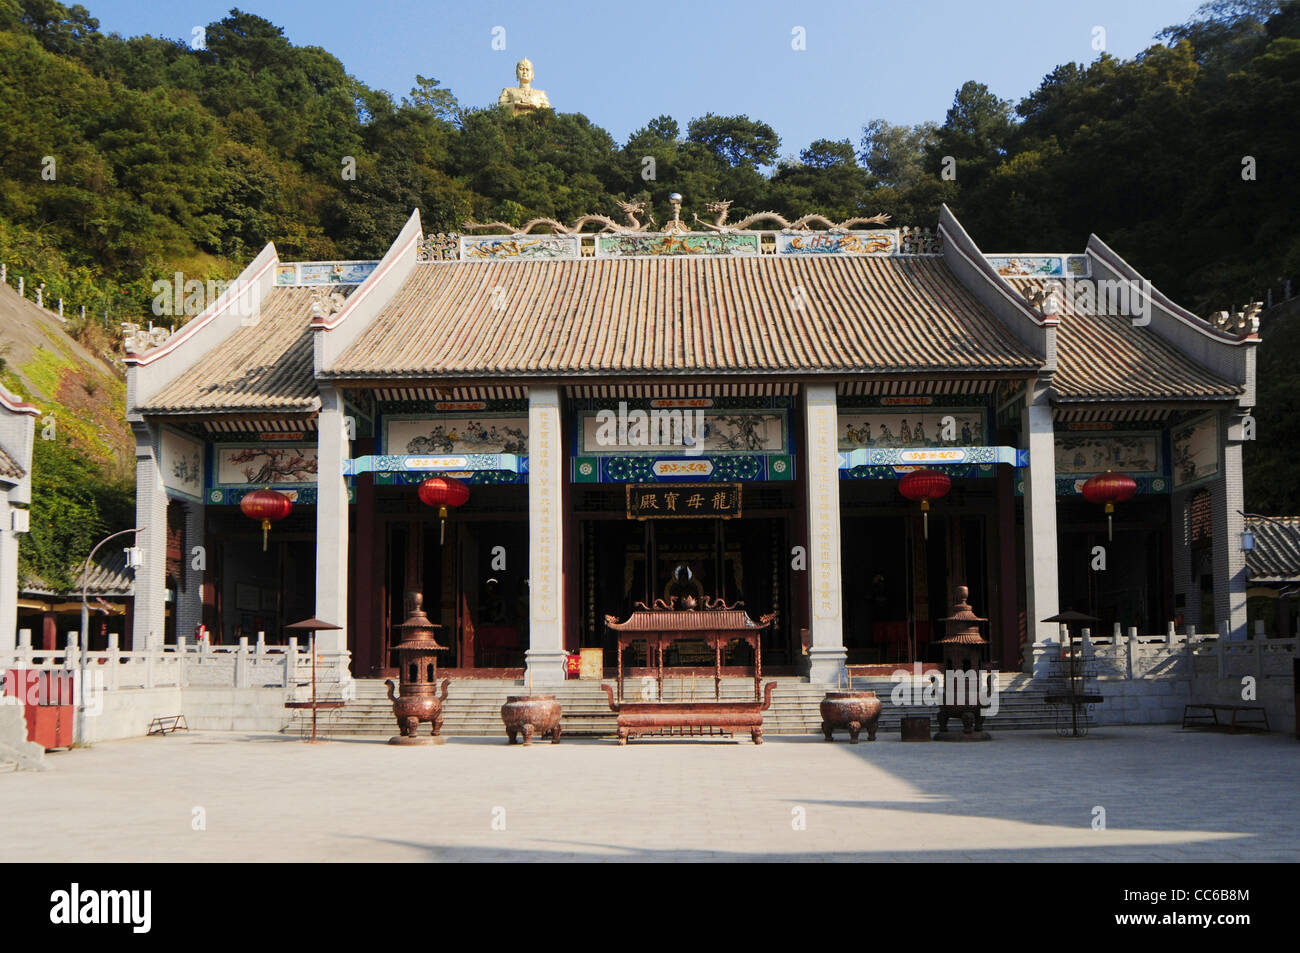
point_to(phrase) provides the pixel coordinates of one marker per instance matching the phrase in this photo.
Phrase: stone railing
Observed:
(1171, 655)
(190, 665)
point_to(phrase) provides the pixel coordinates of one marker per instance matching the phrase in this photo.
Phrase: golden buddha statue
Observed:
(523, 98)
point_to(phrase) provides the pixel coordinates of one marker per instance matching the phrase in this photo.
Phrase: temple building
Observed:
(17, 434)
(740, 400)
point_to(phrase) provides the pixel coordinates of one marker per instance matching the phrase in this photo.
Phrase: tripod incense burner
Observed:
(419, 700)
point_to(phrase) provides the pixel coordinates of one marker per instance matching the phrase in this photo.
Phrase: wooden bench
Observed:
(1207, 716)
(160, 726)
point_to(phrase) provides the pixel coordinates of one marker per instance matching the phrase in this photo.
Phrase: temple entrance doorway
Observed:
(474, 577)
(897, 583)
(626, 562)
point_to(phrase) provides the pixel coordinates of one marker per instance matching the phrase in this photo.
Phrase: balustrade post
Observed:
(113, 655)
(1218, 651)
(1128, 651)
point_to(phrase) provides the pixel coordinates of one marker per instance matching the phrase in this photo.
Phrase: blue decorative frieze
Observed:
(893, 473)
(738, 468)
(873, 242)
(435, 463)
(1041, 266)
(1067, 487)
(516, 247)
(932, 457)
(231, 496)
(323, 272)
(472, 477)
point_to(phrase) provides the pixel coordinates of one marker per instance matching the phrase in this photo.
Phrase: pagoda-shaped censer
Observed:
(419, 699)
(963, 664)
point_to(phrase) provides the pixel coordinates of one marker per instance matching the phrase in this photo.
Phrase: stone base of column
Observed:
(826, 666)
(544, 668)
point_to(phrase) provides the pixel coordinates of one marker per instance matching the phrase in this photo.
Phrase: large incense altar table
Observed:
(716, 624)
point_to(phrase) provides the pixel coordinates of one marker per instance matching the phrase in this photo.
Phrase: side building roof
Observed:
(265, 366)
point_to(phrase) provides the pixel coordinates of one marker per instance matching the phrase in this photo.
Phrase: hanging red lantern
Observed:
(268, 506)
(925, 485)
(443, 492)
(1109, 488)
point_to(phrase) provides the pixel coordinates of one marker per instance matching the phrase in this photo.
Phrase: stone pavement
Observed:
(1169, 795)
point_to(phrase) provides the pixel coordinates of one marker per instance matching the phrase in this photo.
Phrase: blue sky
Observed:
(622, 63)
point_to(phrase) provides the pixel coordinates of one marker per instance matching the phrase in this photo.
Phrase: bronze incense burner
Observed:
(850, 711)
(419, 701)
(531, 715)
(963, 651)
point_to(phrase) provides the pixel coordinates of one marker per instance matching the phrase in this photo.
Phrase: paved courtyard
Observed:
(1168, 795)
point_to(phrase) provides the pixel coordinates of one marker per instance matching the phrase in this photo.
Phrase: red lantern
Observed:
(1109, 488)
(443, 492)
(268, 506)
(925, 485)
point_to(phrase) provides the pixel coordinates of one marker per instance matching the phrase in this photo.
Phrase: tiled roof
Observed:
(1104, 357)
(9, 467)
(108, 576)
(1276, 556)
(718, 315)
(266, 366)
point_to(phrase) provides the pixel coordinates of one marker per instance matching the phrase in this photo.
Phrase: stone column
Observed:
(333, 447)
(1042, 595)
(1229, 558)
(189, 601)
(148, 628)
(8, 579)
(545, 655)
(826, 656)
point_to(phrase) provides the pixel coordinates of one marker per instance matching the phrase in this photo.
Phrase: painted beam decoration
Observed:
(682, 439)
(881, 437)
(467, 439)
(180, 460)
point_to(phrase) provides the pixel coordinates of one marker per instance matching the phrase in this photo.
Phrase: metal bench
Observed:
(1207, 716)
(161, 726)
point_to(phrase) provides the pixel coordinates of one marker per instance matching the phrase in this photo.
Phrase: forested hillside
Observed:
(124, 160)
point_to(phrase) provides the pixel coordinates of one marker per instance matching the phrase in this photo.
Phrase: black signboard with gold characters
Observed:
(683, 500)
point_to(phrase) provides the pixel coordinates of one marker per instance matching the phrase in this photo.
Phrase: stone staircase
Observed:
(473, 706)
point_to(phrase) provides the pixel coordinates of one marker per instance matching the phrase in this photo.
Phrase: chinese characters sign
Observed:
(683, 500)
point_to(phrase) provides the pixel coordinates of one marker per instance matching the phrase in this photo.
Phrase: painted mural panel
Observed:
(266, 466)
(1136, 453)
(880, 428)
(479, 433)
(627, 246)
(1196, 451)
(519, 246)
(882, 241)
(181, 462)
(671, 430)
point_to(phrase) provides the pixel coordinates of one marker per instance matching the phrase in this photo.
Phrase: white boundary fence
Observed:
(1192, 655)
(239, 666)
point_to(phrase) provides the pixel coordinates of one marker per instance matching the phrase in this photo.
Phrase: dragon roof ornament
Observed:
(632, 211)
